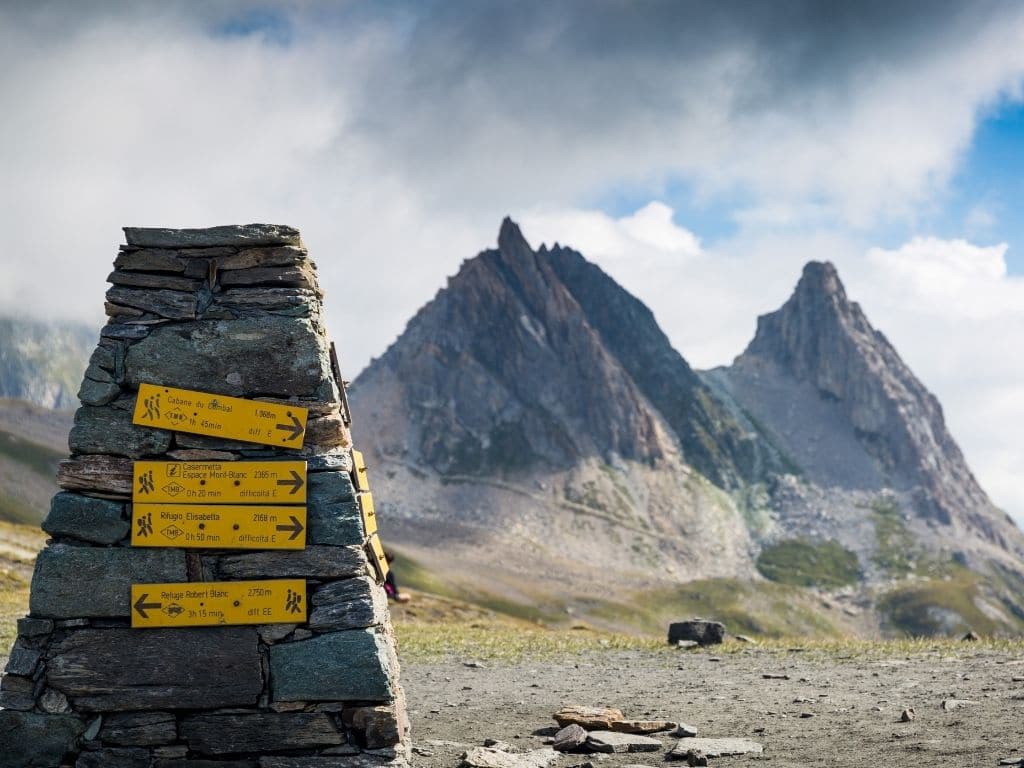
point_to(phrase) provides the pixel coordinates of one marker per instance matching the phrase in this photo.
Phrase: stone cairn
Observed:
(232, 311)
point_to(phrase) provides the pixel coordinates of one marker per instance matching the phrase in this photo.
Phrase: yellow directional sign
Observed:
(218, 526)
(220, 482)
(359, 477)
(368, 512)
(379, 561)
(212, 603)
(232, 418)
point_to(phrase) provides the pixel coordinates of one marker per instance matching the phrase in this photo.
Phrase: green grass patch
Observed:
(809, 564)
(38, 458)
(508, 642)
(756, 608)
(895, 552)
(937, 607)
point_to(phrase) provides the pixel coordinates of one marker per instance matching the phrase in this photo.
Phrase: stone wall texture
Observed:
(233, 310)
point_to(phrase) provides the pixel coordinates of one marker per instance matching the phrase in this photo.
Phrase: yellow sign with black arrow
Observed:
(218, 526)
(214, 603)
(220, 482)
(232, 418)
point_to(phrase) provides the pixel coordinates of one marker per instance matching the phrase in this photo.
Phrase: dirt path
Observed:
(855, 702)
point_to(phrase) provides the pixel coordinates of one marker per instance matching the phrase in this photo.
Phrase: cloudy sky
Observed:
(700, 152)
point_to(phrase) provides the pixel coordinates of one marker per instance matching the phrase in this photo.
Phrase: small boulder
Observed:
(569, 738)
(701, 631)
(641, 726)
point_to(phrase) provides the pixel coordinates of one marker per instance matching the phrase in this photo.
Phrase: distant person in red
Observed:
(390, 585)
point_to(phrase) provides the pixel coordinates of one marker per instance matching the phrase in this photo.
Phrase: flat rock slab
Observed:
(273, 355)
(313, 562)
(87, 518)
(29, 740)
(610, 741)
(74, 582)
(215, 734)
(121, 669)
(714, 748)
(238, 235)
(348, 604)
(590, 718)
(641, 726)
(701, 631)
(109, 431)
(487, 757)
(353, 665)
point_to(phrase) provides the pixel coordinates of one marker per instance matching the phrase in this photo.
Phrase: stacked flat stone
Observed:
(234, 311)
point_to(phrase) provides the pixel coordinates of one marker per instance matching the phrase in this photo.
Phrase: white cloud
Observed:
(396, 138)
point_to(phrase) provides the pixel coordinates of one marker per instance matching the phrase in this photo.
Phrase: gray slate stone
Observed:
(218, 356)
(173, 305)
(714, 747)
(239, 235)
(123, 669)
(154, 280)
(313, 562)
(610, 741)
(97, 520)
(71, 582)
(97, 473)
(150, 260)
(569, 738)
(139, 729)
(114, 758)
(17, 692)
(332, 512)
(295, 276)
(180, 763)
(33, 627)
(30, 740)
(354, 665)
(282, 256)
(348, 604)
(110, 431)
(293, 302)
(93, 392)
(216, 734)
(22, 660)
(701, 631)
(54, 702)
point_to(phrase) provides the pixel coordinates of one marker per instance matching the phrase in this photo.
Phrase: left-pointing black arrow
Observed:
(295, 427)
(296, 528)
(142, 606)
(296, 482)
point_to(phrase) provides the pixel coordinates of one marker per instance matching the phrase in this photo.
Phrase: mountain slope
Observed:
(535, 440)
(42, 362)
(835, 394)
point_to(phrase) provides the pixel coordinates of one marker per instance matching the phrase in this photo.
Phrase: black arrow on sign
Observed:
(296, 528)
(295, 427)
(296, 482)
(142, 606)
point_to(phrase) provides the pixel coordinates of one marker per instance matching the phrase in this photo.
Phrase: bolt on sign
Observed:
(214, 603)
(221, 526)
(368, 512)
(220, 482)
(233, 418)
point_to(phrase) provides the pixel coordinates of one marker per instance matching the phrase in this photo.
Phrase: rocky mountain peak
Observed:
(823, 343)
(538, 358)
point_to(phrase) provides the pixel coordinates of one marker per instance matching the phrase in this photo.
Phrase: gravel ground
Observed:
(855, 705)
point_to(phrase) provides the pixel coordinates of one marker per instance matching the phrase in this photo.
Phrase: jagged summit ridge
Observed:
(534, 358)
(852, 414)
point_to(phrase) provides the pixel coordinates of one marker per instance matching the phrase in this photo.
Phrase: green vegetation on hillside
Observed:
(932, 607)
(809, 564)
(894, 545)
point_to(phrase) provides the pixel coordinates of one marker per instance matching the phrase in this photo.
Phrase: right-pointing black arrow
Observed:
(142, 606)
(296, 482)
(296, 528)
(295, 427)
